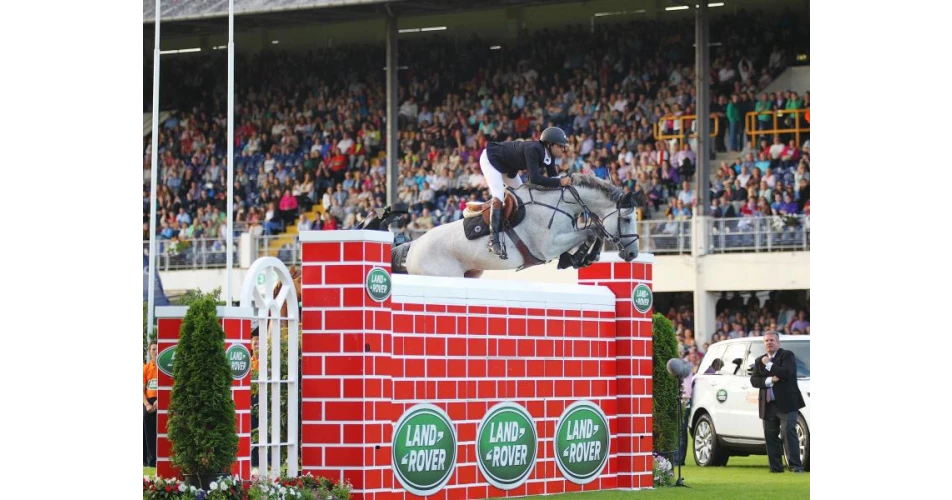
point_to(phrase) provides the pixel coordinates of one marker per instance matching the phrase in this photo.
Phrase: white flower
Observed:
(213, 486)
(181, 487)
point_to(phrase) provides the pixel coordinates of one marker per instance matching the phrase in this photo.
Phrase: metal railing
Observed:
(760, 234)
(681, 134)
(742, 234)
(286, 248)
(666, 237)
(775, 124)
(199, 253)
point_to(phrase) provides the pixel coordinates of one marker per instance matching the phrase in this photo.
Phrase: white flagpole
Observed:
(230, 224)
(155, 171)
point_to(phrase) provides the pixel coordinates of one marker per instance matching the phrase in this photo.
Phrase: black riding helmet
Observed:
(554, 135)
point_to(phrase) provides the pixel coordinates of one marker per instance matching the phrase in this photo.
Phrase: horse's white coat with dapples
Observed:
(445, 250)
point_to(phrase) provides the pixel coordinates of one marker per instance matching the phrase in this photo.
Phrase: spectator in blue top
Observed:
(686, 195)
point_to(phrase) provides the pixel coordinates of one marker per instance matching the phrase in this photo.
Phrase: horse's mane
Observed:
(613, 192)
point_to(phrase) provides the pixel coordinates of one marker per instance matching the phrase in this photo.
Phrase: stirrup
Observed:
(499, 248)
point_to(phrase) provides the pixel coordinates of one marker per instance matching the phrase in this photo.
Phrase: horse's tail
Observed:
(398, 258)
(382, 221)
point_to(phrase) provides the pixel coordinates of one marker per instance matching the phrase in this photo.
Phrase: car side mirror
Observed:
(738, 362)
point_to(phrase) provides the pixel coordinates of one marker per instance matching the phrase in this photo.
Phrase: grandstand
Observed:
(618, 76)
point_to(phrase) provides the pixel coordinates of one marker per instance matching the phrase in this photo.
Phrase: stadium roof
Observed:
(196, 17)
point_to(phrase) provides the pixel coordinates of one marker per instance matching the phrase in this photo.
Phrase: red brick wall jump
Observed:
(464, 346)
(237, 325)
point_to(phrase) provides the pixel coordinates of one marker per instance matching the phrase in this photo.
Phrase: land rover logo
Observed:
(378, 284)
(165, 359)
(722, 395)
(581, 442)
(239, 358)
(642, 298)
(423, 449)
(506, 445)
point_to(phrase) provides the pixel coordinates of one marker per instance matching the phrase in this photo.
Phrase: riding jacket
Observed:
(513, 157)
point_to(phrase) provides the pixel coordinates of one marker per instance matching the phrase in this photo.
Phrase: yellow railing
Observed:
(680, 135)
(775, 124)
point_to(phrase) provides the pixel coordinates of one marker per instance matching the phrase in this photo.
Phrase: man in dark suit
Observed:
(775, 374)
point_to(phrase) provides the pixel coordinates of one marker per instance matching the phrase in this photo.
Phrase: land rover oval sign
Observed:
(165, 359)
(423, 449)
(239, 359)
(379, 284)
(642, 298)
(581, 442)
(506, 446)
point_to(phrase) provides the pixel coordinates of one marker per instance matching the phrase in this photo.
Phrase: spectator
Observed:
(288, 208)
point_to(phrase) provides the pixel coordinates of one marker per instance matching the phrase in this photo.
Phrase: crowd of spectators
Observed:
(736, 317)
(310, 125)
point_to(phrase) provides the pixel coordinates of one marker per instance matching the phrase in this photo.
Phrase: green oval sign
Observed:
(379, 284)
(165, 359)
(506, 445)
(423, 449)
(581, 442)
(722, 395)
(642, 298)
(239, 358)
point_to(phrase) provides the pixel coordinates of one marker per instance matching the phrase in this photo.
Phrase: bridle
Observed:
(589, 217)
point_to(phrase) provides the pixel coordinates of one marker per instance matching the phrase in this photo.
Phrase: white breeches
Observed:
(496, 180)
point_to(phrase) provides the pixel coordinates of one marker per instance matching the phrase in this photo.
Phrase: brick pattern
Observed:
(633, 343)
(237, 331)
(346, 408)
(365, 363)
(467, 358)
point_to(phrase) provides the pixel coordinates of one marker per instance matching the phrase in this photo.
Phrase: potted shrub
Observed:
(201, 424)
(665, 398)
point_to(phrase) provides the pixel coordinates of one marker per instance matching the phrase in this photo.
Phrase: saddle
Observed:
(512, 203)
(514, 211)
(476, 216)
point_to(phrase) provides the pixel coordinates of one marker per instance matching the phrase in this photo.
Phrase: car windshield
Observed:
(802, 351)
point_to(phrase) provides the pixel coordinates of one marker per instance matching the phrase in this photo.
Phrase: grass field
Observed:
(744, 477)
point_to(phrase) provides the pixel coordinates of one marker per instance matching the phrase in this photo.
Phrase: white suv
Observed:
(724, 419)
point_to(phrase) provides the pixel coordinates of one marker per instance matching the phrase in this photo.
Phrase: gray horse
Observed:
(556, 221)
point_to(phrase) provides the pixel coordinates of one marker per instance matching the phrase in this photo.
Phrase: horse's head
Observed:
(617, 213)
(626, 225)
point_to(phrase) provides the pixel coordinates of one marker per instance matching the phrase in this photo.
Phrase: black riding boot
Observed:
(496, 245)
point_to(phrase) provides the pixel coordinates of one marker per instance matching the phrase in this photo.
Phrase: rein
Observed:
(590, 218)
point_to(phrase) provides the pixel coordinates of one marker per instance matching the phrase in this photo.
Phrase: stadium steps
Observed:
(290, 235)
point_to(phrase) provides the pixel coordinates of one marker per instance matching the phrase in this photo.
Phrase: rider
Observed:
(513, 157)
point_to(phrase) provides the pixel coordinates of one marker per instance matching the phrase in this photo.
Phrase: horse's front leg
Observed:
(593, 255)
(585, 238)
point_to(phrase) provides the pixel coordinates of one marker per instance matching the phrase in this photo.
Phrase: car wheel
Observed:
(803, 436)
(707, 451)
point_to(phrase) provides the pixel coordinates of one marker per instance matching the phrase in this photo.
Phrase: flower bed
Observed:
(663, 471)
(305, 487)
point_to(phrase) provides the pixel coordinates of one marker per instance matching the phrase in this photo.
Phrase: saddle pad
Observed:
(475, 228)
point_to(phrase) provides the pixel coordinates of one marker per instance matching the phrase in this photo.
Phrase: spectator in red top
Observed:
(790, 155)
(330, 222)
(750, 208)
